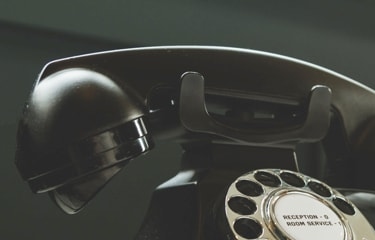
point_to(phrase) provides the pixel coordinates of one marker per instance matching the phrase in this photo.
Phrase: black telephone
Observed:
(264, 137)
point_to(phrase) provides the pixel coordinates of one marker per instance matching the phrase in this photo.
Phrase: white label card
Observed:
(303, 217)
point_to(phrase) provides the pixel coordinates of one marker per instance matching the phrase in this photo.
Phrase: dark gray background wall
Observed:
(336, 34)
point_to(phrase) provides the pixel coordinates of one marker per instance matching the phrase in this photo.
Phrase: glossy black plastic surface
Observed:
(231, 70)
(78, 122)
(68, 140)
(195, 117)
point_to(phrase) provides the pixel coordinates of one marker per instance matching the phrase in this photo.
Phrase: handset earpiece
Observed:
(78, 129)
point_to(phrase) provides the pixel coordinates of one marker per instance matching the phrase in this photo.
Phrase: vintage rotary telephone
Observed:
(251, 124)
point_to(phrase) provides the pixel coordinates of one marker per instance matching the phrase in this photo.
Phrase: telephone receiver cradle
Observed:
(264, 137)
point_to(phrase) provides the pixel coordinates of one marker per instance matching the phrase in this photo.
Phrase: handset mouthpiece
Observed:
(79, 128)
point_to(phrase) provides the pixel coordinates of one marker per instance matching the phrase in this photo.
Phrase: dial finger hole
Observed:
(344, 206)
(292, 179)
(248, 228)
(267, 179)
(242, 205)
(320, 189)
(249, 188)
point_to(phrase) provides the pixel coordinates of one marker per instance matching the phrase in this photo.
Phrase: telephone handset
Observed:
(252, 125)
